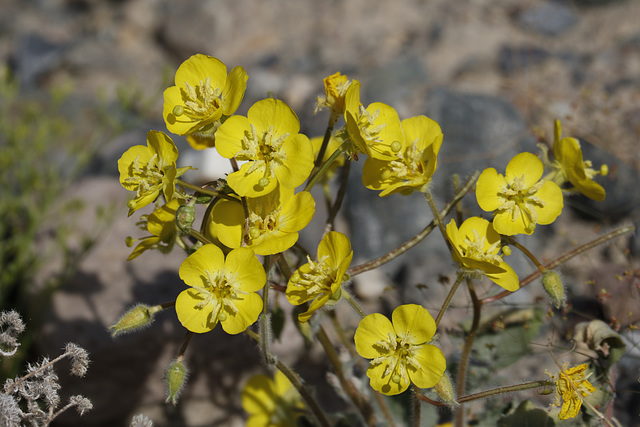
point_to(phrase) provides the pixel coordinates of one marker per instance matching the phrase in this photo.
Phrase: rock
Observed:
(34, 57)
(512, 59)
(549, 19)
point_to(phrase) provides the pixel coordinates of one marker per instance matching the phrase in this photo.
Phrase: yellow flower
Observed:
(220, 290)
(571, 387)
(203, 94)
(400, 349)
(321, 280)
(269, 138)
(148, 170)
(335, 88)
(476, 249)
(374, 130)
(568, 165)
(271, 403)
(415, 158)
(162, 226)
(520, 198)
(273, 223)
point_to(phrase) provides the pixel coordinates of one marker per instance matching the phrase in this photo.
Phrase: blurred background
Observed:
(81, 81)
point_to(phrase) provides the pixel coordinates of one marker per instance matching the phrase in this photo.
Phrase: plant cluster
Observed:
(243, 258)
(34, 399)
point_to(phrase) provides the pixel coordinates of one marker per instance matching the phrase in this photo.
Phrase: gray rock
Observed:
(512, 59)
(550, 18)
(34, 57)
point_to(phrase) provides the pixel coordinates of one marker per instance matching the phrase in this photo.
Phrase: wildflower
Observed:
(571, 387)
(520, 198)
(414, 161)
(150, 170)
(321, 280)
(203, 95)
(374, 130)
(400, 349)
(335, 87)
(568, 165)
(476, 248)
(273, 403)
(268, 137)
(162, 226)
(220, 290)
(273, 223)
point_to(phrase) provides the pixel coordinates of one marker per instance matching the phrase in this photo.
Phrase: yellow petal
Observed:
(248, 272)
(525, 165)
(298, 163)
(414, 322)
(234, 89)
(297, 212)
(372, 328)
(246, 183)
(551, 194)
(384, 384)
(193, 269)
(503, 224)
(432, 366)
(227, 221)
(488, 187)
(230, 134)
(269, 113)
(195, 319)
(249, 307)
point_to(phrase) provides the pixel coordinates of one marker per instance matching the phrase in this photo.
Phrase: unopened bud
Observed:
(137, 317)
(552, 284)
(445, 390)
(186, 215)
(176, 376)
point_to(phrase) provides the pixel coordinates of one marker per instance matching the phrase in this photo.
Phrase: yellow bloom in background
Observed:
(569, 165)
(571, 387)
(320, 280)
(220, 290)
(271, 403)
(268, 137)
(162, 226)
(372, 130)
(149, 169)
(335, 88)
(273, 223)
(477, 250)
(203, 94)
(400, 349)
(414, 160)
(520, 199)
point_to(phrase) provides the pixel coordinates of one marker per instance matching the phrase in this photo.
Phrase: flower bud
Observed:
(137, 317)
(445, 390)
(186, 215)
(552, 284)
(176, 376)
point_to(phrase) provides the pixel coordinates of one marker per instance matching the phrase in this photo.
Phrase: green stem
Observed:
(370, 265)
(447, 301)
(325, 140)
(325, 166)
(353, 303)
(307, 396)
(466, 352)
(356, 398)
(564, 258)
(511, 241)
(264, 323)
(201, 190)
(199, 236)
(335, 208)
(493, 392)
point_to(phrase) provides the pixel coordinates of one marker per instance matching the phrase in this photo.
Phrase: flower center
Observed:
(200, 101)
(520, 200)
(409, 166)
(259, 226)
(475, 249)
(146, 176)
(263, 148)
(218, 291)
(319, 278)
(398, 356)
